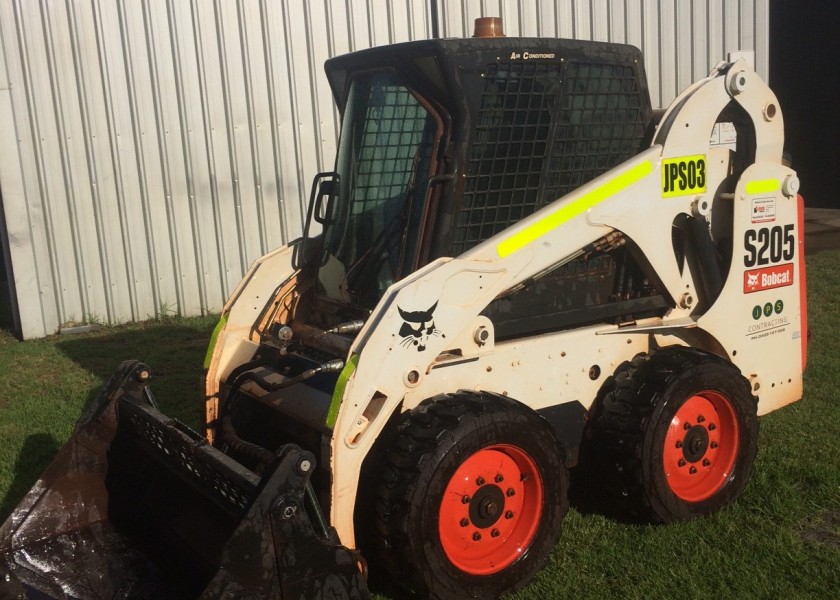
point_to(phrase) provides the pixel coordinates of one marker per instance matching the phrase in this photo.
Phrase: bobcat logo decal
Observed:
(752, 280)
(418, 327)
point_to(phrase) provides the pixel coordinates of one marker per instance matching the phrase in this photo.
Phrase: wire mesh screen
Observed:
(599, 123)
(542, 130)
(394, 126)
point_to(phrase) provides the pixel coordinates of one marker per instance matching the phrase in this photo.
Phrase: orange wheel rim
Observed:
(490, 510)
(701, 446)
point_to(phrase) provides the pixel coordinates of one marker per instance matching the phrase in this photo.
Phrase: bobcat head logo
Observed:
(418, 327)
(752, 280)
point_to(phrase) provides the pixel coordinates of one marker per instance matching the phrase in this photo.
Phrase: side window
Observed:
(383, 163)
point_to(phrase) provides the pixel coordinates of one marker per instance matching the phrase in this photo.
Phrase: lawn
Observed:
(780, 540)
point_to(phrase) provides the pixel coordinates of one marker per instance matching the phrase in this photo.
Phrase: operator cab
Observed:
(445, 143)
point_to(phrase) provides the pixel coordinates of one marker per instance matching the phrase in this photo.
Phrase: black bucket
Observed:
(137, 505)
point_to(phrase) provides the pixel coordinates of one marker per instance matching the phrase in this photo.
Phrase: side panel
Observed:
(234, 342)
(758, 317)
(540, 371)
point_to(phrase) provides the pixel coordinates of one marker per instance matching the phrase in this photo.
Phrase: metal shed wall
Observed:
(152, 149)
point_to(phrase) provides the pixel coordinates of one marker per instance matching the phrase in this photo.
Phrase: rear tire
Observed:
(677, 435)
(471, 497)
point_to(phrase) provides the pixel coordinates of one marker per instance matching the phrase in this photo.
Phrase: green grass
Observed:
(780, 540)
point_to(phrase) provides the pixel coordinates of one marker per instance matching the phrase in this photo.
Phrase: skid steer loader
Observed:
(515, 263)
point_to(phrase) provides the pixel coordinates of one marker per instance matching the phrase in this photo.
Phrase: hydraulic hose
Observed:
(232, 439)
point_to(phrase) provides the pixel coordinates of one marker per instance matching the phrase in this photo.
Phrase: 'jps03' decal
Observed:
(683, 176)
(768, 245)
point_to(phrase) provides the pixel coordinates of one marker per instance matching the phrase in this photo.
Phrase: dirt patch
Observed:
(823, 530)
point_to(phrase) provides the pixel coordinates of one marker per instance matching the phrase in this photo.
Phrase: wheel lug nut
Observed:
(706, 462)
(687, 426)
(712, 427)
(692, 470)
(701, 418)
(465, 499)
(714, 444)
(495, 533)
(480, 481)
(509, 514)
(476, 536)
(465, 522)
(511, 492)
(679, 443)
(499, 478)
(681, 462)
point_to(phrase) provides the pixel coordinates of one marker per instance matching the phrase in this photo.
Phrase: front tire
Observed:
(471, 497)
(677, 435)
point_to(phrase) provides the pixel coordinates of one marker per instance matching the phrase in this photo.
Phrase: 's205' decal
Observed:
(769, 245)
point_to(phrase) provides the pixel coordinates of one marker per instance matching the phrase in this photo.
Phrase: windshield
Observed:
(383, 169)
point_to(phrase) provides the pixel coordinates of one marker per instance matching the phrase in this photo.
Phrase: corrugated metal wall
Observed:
(151, 149)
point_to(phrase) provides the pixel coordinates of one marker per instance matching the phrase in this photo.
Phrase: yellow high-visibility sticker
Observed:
(684, 175)
(762, 186)
(211, 347)
(340, 386)
(565, 213)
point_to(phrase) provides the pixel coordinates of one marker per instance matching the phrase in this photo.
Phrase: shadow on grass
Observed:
(7, 321)
(173, 349)
(167, 346)
(588, 496)
(36, 454)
